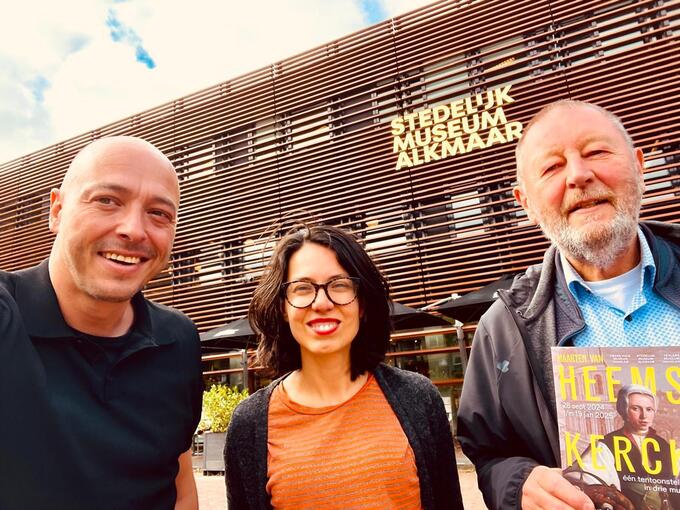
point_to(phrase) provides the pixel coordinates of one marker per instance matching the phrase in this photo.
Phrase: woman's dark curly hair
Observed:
(277, 350)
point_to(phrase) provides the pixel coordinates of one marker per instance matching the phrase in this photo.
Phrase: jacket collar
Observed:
(532, 291)
(664, 242)
(37, 301)
(547, 314)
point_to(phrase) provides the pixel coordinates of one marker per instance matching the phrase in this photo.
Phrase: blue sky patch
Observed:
(38, 86)
(374, 11)
(77, 43)
(116, 27)
(124, 34)
(144, 57)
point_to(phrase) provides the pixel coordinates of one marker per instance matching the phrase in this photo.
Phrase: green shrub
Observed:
(219, 403)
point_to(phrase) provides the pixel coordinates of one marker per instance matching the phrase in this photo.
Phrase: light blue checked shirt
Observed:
(649, 321)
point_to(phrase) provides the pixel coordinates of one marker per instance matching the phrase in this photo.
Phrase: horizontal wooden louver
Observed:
(309, 138)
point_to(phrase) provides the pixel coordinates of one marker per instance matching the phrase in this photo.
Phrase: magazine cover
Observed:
(618, 411)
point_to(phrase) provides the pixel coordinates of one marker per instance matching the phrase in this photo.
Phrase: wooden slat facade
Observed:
(309, 137)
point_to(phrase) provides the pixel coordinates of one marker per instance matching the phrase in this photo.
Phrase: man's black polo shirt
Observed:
(77, 432)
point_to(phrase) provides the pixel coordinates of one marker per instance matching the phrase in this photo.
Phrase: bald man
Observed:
(105, 385)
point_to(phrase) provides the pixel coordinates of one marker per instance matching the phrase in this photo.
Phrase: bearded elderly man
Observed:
(607, 280)
(100, 389)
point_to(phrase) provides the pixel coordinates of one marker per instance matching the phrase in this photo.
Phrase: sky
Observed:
(70, 66)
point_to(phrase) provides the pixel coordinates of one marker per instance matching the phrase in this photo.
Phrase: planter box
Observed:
(213, 451)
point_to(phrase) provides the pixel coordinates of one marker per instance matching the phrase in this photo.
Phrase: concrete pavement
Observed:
(211, 495)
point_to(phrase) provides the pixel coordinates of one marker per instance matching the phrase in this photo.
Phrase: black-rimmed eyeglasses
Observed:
(302, 293)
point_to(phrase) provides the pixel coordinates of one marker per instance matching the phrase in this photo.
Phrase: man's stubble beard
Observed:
(602, 245)
(82, 278)
(94, 289)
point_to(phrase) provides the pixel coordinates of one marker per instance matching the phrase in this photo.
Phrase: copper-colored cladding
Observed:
(310, 135)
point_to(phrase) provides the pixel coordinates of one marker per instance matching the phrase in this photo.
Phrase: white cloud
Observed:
(396, 7)
(100, 84)
(92, 80)
(36, 34)
(34, 39)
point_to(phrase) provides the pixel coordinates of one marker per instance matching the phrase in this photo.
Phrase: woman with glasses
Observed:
(338, 428)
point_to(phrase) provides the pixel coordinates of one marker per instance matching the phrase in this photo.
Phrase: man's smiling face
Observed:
(581, 182)
(115, 218)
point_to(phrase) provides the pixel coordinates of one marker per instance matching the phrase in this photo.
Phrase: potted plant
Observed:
(219, 403)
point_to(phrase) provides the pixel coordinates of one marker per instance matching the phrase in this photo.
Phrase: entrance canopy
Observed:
(233, 335)
(471, 306)
(405, 317)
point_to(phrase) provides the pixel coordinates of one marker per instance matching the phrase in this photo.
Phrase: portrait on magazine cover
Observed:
(619, 417)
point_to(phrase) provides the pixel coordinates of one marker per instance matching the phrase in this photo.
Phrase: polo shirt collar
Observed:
(37, 301)
(577, 285)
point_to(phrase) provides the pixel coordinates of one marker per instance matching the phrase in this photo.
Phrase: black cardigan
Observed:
(418, 407)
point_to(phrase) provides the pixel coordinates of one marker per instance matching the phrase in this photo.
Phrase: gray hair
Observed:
(631, 389)
(568, 103)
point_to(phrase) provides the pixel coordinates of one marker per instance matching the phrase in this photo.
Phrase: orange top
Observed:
(351, 455)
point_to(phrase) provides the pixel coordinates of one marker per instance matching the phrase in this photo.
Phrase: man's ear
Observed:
(640, 164)
(640, 160)
(523, 200)
(55, 210)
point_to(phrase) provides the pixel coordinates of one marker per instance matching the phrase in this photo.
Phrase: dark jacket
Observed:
(507, 421)
(416, 403)
(82, 431)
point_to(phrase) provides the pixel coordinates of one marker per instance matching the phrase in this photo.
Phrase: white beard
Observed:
(596, 245)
